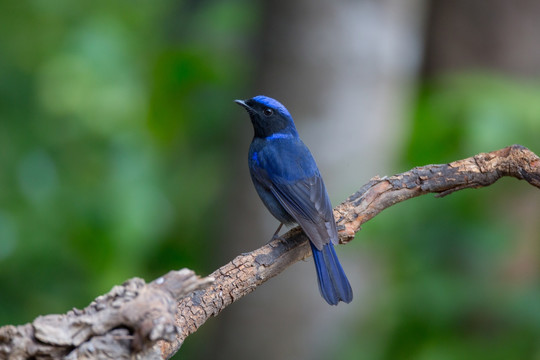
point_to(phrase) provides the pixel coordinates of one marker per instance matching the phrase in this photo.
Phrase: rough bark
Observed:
(121, 324)
(151, 321)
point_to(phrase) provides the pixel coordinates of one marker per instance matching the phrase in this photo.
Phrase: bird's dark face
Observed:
(268, 116)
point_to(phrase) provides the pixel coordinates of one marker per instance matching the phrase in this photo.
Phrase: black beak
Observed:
(244, 105)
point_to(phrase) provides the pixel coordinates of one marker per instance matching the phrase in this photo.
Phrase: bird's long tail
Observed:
(333, 283)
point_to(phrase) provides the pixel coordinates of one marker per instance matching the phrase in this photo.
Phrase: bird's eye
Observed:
(268, 112)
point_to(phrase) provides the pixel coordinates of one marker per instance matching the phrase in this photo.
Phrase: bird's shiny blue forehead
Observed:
(272, 103)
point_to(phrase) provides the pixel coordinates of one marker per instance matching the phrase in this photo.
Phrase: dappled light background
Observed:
(122, 154)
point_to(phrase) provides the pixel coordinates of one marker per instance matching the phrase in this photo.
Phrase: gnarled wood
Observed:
(127, 320)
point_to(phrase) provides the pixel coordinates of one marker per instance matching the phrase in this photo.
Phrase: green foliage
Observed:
(113, 143)
(465, 114)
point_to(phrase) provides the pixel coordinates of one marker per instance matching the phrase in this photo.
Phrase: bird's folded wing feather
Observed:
(307, 202)
(290, 173)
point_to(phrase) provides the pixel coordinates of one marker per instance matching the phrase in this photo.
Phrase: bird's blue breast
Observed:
(282, 158)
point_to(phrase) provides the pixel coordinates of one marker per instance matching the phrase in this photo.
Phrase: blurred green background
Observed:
(122, 154)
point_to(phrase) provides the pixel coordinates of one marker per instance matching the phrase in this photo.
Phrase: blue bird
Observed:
(289, 184)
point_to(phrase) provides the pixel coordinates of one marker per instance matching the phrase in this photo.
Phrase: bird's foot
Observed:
(276, 235)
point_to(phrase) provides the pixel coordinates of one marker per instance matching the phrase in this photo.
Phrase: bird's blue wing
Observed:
(291, 174)
(307, 202)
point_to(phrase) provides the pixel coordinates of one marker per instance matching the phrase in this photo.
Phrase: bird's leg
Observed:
(275, 236)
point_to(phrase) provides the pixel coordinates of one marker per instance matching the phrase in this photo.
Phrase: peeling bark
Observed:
(127, 320)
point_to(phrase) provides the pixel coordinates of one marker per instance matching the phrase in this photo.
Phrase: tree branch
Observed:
(247, 271)
(128, 320)
(152, 320)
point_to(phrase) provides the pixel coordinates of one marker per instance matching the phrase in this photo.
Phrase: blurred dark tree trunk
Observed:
(499, 35)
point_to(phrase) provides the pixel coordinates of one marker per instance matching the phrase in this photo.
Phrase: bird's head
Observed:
(268, 116)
